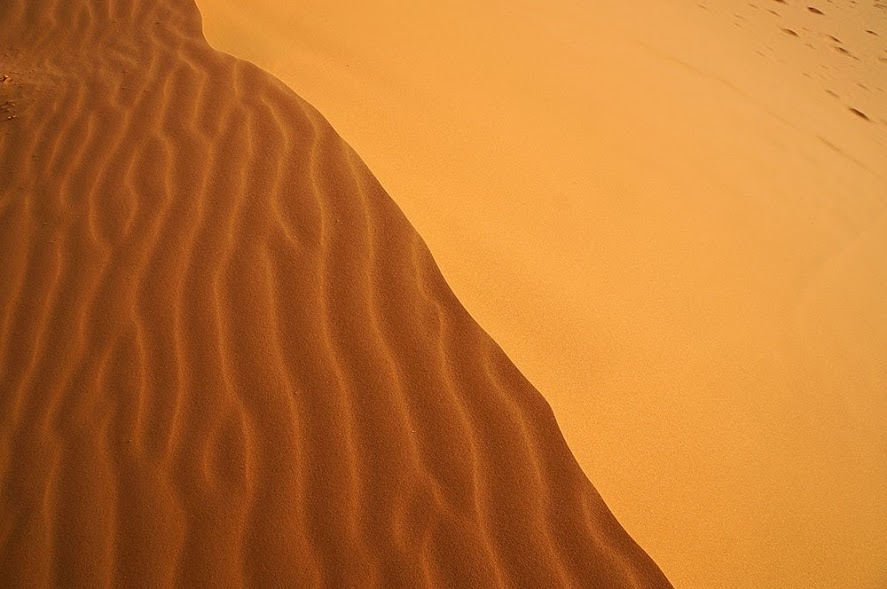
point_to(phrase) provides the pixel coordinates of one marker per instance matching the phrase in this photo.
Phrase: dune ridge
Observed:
(227, 359)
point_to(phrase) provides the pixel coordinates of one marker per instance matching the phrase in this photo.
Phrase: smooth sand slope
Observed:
(671, 220)
(227, 359)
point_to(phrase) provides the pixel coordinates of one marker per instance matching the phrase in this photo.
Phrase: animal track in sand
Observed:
(859, 113)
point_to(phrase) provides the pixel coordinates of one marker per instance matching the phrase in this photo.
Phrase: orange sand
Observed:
(671, 219)
(227, 359)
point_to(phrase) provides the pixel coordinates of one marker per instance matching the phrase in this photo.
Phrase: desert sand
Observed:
(672, 217)
(226, 357)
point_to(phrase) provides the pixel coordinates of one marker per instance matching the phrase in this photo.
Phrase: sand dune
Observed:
(227, 359)
(672, 218)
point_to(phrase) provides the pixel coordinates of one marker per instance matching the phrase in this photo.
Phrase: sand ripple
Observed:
(227, 359)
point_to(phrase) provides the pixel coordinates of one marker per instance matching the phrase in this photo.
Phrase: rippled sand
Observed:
(227, 359)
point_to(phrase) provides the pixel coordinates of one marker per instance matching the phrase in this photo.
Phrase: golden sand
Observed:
(673, 218)
(227, 359)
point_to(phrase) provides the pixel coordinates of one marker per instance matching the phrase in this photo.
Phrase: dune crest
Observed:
(227, 359)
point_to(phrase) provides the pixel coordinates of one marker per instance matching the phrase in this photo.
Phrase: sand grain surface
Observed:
(672, 216)
(227, 359)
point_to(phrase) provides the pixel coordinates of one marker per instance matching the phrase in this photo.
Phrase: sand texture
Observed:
(672, 216)
(227, 359)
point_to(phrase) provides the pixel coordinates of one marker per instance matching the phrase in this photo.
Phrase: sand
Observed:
(227, 359)
(673, 218)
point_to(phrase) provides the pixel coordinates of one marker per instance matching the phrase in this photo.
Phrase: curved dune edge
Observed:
(226, 358)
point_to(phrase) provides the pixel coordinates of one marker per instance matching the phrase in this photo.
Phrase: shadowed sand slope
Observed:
(226, 358)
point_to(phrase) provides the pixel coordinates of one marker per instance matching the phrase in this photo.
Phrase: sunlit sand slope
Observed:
(227, 359)
(672, 216)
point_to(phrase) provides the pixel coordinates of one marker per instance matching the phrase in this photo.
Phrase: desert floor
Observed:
(673, 219)
(227, 359)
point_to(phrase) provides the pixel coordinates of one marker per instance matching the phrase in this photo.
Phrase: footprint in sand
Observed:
(859, 113)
